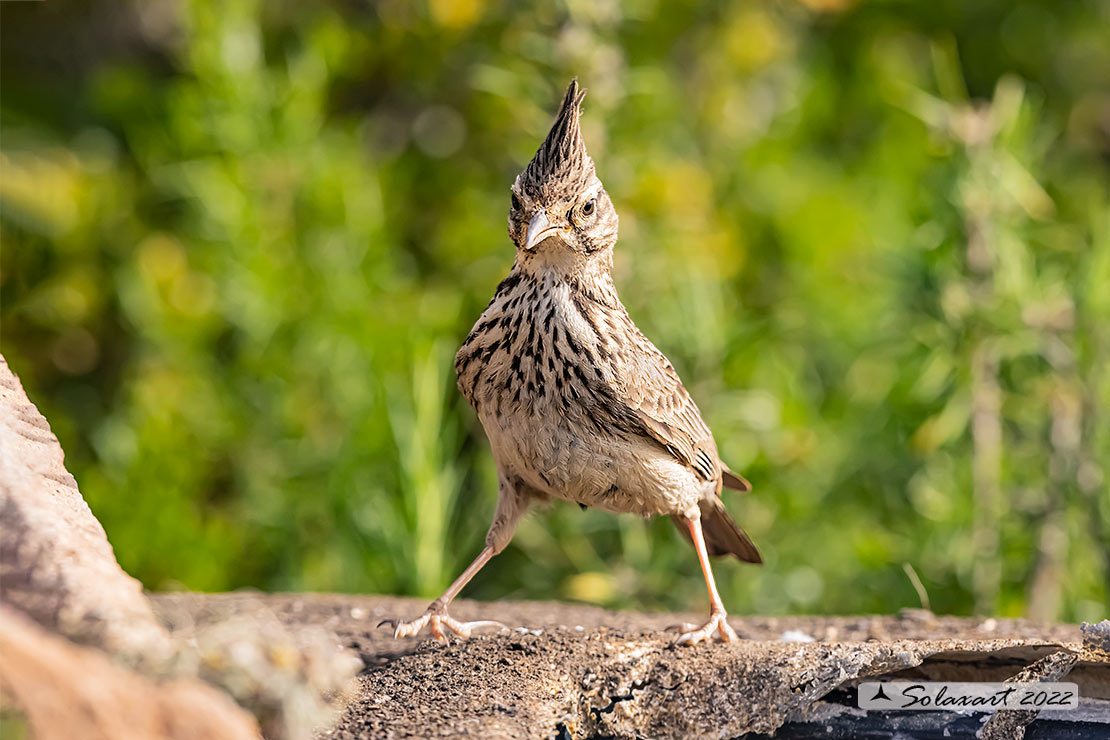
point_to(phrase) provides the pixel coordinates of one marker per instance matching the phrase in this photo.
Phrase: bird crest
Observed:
(561, 166)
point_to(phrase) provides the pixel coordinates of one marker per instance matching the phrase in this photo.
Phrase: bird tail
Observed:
(735, 481)
(722, 535)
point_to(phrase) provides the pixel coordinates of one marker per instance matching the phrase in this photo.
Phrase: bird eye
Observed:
(516, 202)
(588, 208)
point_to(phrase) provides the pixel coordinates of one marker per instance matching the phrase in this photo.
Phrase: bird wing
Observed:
(666, 412)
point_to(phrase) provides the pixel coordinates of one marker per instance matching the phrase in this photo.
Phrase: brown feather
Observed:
(650, 387)
(734, 481)
(722, 535)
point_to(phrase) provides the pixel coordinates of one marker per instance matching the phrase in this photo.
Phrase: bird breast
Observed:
(538, 378)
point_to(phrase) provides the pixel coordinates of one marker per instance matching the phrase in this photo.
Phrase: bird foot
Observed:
(692, 634)
(436, 620)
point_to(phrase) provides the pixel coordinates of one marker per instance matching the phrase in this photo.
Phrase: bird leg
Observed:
(436, 616)
(718, 619)
(512, 502)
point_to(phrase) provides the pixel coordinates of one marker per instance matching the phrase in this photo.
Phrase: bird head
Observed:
(559, 206)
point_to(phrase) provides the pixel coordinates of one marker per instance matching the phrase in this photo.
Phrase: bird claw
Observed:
(436, 621)
(718, 623)
(681, 627)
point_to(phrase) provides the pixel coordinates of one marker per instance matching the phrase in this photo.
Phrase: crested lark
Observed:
(576, 402)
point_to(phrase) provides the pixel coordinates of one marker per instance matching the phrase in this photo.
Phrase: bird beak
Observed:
(540, 228)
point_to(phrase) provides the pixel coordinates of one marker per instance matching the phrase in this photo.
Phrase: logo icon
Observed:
(880, 695)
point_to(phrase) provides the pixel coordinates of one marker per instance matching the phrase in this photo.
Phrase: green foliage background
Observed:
(242, 240)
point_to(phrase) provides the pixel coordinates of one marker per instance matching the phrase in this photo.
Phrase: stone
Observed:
(620, 676)
(1010, 724)
(1096, 637)
(66, 691)
(58, 569)
(56, 564)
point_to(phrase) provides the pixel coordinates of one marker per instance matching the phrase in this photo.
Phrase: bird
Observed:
(576, 402)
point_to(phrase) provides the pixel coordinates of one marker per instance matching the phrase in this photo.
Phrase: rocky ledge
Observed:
(572, 671)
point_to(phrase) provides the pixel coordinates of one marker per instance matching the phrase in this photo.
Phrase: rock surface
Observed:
(583, 672)
(55, 561)
(1012, 723)
(60, 585)
(67, 691)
